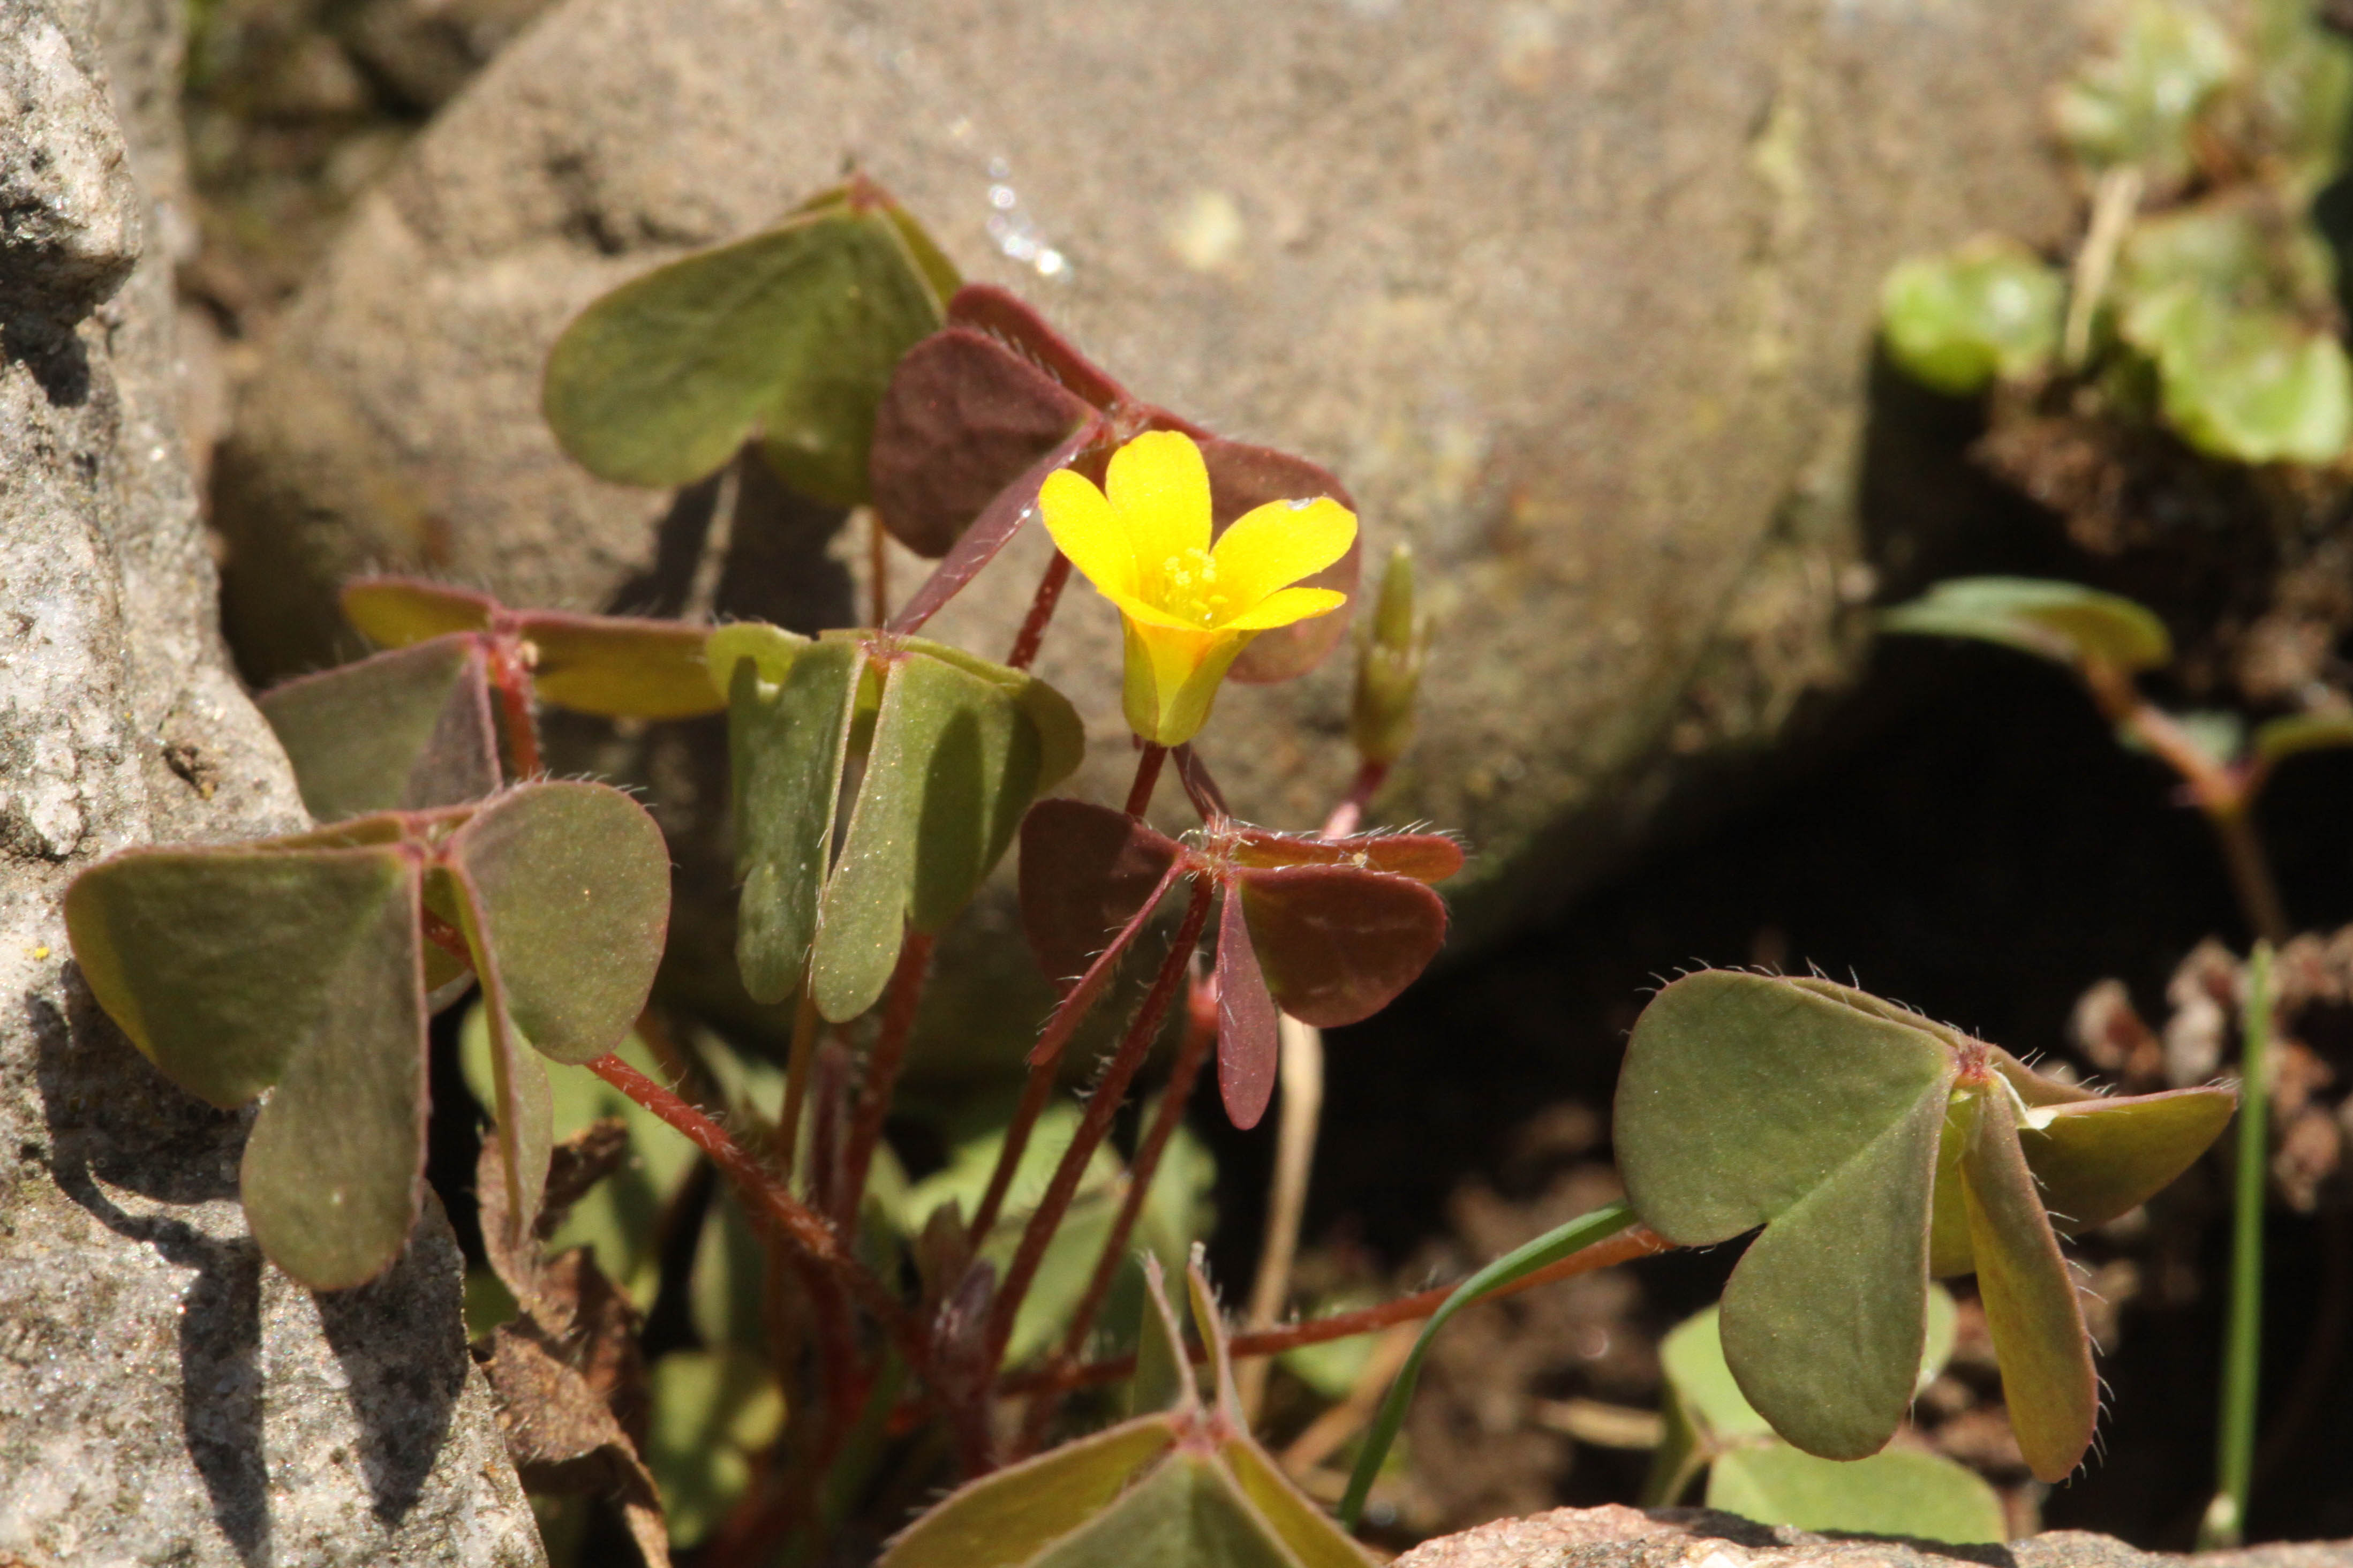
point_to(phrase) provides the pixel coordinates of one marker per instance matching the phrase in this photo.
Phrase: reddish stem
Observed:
(882, 1065)
(1350, 812)
(1200, 1034)
(509, 664)
(878, 569)
(1034, 1093)
(1045, 1056)
(1041, 611)
(1199, 787)
(2224, 793)
(768, 1199)
(1640, 1241)
(446, 937)
(1147, 774)
(1093, 1125)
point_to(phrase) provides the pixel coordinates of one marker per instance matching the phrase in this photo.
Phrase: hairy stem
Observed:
(1045, 1057)
(771, 1201)
(2226, 1516)
(882, 1065)
(1200, 1034)
(1101, 1106)
(1640, 1241)
(1026, 642)
(1349, 813)
(1147, 774)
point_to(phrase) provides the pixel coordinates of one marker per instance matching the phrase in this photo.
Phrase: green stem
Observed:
(2226, 1516)
(1550, 1247)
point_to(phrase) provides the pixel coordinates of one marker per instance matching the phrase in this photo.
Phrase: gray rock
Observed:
(1578, 298)
(1619, 1537)
(69, 211)
(165, 1396)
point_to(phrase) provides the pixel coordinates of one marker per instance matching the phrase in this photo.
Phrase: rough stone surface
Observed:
(165, 1396)
(1619, 1537)
(1576, 298)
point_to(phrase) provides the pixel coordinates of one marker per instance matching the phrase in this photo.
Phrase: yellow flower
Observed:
(1189, 606)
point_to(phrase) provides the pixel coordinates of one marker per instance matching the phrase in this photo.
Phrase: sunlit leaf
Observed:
(2064, 622)
(955, 761)
(2136, 103)
(1003, 315)
(1008, 1516)
(617, 666)
(1301, 1526)
(1338, 942)
(788, 337)
(2236, 248)
(394, 612)
(401, 730)
(571, 889)
(1901, 1492)
(1164, 1377)
(2031, 1306)
(788, 723)
(1957, 321)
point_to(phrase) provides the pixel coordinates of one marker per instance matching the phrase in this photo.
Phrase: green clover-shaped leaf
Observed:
(1957, 322)
(1869, 1143)
(788, 337)
(2064, 622)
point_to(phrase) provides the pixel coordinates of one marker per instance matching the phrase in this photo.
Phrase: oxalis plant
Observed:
(974, 1326)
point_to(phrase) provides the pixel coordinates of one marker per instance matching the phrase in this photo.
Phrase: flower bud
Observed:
(1388, 667)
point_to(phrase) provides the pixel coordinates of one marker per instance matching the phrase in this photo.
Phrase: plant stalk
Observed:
(771, 1200)
(1033, 634)
(881, 1077)
(1200, 1034)
(2226, 1516)
(1093, 1125)
(806, 1024)
(1640, 1241)
(1301, 1070)
(1147, 774)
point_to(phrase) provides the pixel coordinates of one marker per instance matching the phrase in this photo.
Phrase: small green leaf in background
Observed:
(2136, 103)
(1869, 1143)
(712, 1411)
(2277, 740)
(2064, 622)
(1900, 1493)
(2237, 248)
(400, 731)
(788, 337)
(1990, 310)
(1755, 1474)
(2253, 385)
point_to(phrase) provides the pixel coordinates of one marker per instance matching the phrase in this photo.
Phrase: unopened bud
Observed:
(1388, 667)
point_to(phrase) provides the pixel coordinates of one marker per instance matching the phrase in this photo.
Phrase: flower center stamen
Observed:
(1188, 587)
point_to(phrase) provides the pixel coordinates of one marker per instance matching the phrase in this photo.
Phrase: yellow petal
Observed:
(1151, 615)
(1088, 530)
(1160, 489)
(1285, 607)
(1272, 546)
(1172, 677)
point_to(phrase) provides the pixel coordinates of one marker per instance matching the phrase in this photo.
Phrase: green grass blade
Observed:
(1550, 1247)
